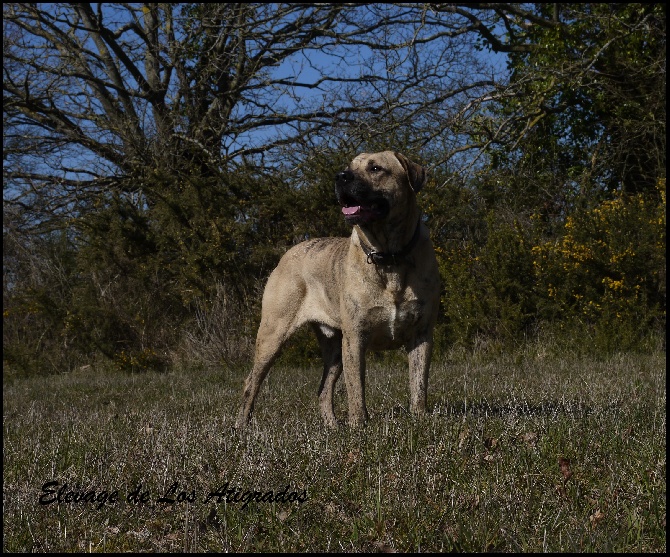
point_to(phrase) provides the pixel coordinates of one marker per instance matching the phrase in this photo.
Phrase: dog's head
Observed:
(375, 183)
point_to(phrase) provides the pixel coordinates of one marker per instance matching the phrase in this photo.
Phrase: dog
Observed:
(378, 289)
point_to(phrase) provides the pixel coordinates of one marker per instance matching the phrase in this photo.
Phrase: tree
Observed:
(592, 91)
(157, 136)
(107, 93)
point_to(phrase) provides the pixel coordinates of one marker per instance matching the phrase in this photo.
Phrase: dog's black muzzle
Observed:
(360, 203)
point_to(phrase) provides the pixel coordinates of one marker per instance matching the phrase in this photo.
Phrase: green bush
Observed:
(488, 289)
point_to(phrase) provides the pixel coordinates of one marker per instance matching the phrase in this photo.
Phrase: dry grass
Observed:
(529, 452)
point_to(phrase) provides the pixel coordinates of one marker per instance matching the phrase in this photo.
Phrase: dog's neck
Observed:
(387, 242)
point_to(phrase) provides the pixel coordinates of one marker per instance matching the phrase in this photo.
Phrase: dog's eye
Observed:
(375, 168)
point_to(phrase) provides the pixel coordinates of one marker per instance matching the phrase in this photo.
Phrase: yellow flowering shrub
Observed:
(607, 270)
(597, 279)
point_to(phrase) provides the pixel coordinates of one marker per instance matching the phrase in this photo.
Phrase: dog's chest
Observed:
(393, 318)
(392, 324)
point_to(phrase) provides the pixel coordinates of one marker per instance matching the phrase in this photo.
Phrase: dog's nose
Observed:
(345, 176)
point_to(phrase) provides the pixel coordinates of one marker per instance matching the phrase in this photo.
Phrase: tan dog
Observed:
(377, 290)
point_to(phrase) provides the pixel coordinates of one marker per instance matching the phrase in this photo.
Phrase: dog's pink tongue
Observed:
(348, 211)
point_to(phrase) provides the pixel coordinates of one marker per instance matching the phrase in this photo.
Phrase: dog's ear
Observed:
(416, 173)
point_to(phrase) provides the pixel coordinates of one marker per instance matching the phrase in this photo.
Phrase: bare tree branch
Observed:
(129, 82)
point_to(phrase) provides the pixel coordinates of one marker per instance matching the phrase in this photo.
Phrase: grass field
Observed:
(524, 452)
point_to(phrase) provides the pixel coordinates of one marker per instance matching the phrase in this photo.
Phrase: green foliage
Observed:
(599, 280)
(156, 255)
(591, 100)
(605, 275)
(36, 336)
(488, 288)
(563, 230)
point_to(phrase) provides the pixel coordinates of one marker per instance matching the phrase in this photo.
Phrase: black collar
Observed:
(381, 258)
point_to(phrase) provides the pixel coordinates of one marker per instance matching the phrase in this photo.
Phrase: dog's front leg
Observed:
(353, 362)
(419, 353)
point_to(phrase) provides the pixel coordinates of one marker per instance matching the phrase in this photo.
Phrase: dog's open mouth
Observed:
(359, 210)
(356, 212)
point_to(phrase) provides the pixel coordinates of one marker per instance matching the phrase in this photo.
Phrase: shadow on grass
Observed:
(574, 409)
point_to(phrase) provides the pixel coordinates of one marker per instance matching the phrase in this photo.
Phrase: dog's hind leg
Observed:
(330, 341)
(279, 320)
(269, 341)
